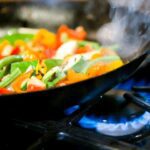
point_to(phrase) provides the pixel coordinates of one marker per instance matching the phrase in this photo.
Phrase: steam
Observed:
(130, 26)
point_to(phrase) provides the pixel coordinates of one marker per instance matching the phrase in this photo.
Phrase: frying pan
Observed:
(51, 103)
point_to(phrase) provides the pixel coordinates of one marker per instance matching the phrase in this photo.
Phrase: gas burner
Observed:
(115, 116)
(123, 111)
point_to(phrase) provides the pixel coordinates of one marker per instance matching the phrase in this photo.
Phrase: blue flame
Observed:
(132, 82)
(71, 110)
(111, 127)
(126, 85)
(87, 122)
(146, 96)
(91, 121)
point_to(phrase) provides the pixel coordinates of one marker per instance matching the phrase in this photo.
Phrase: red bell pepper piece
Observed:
(77, 34)
(15, 51)
(5, 91)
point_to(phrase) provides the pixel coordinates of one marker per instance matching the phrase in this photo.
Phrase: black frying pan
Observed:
(51, 103)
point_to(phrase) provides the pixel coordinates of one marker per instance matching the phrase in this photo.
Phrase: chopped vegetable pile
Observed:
(32, 62)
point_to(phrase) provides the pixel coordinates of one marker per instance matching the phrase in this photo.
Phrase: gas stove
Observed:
(119, 119)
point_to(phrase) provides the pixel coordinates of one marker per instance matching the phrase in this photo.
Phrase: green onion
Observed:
(60, 76)
(10, 59)
(48, 76)
(4, 71)
(10, 78)
(53, 83)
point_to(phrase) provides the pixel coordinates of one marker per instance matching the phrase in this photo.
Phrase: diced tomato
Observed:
(15, 51)
(32, 88)
(34, 84)
(5, 91)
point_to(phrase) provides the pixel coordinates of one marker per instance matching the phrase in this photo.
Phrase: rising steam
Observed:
(130, 26)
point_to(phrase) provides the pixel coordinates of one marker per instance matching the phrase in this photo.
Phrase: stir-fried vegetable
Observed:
(50, 63)
(10, 78)
(19, 85)
(24, 65)
(32, 62)
(10, 59)
(16, 36)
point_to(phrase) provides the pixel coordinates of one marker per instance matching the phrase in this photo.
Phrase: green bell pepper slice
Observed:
(23, 66)
(83, 65)
(17, 36)
(50, 63)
